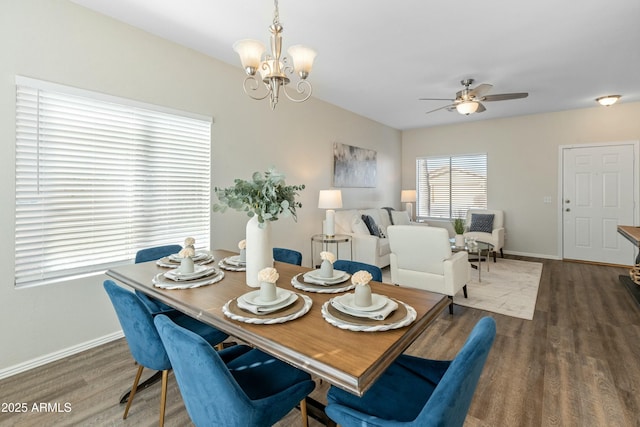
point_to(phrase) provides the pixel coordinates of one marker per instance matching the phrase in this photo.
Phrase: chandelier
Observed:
(274, 69)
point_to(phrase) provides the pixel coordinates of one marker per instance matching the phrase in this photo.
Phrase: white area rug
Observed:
(510, 288)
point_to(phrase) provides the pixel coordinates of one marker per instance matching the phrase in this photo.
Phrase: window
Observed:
(449, 186)
(98, 178)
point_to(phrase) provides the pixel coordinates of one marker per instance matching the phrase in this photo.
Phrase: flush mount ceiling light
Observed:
(608, 100)
(274, 68)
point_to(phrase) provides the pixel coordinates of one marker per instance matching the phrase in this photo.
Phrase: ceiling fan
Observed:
(469, 100)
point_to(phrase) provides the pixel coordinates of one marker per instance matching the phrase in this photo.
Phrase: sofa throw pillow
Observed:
(389, 214)
(400, 217)
(358, 226)
(482, 223)
(371, 225)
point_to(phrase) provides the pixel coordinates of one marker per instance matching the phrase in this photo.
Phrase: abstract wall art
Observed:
(354, 166)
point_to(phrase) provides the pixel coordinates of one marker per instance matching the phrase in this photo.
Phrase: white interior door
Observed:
(598, 195)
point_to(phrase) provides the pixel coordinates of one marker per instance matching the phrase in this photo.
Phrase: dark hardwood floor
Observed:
(577, 363)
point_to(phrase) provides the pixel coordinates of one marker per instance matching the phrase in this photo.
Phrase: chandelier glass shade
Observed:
(275, 69)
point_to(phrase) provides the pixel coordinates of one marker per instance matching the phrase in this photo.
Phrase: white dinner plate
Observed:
(199, 256)
(253, 298)
(235, 260)
(198, 271)
(315, 274)
(348, 300)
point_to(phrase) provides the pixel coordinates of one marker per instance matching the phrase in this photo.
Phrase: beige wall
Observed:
(522, 158)
(58, 41)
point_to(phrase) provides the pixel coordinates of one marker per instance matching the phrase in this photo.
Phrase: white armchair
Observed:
(495, 236)
(421, 258)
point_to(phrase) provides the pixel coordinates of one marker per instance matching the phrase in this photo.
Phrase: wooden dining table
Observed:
(351, 360)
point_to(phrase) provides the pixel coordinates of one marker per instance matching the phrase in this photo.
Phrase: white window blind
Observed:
(449, 186)
(99, 178)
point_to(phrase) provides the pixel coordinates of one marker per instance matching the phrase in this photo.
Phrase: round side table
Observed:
(325, 241)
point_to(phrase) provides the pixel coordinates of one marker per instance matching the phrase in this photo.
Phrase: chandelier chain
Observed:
(276, 13)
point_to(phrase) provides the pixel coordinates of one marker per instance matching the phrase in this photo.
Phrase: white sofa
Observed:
(366, 247)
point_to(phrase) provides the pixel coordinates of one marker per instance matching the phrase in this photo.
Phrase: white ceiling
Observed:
(377, 58)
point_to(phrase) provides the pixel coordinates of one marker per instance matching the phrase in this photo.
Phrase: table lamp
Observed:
(330, 200)
(408, 197)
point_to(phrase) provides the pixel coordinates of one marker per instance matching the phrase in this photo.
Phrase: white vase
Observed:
(259, 250)
(326, 269)
(459, 240)
(362, 296)
(268, 291)
(186, 265)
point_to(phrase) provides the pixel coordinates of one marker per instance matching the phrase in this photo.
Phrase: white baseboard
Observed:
(532, 255)
(52, 357)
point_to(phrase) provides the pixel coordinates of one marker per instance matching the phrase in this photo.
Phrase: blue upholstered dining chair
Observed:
(287, 255)
(355, 266)
(419, 392)
(144, 342)
(238, 386)
(152, 254)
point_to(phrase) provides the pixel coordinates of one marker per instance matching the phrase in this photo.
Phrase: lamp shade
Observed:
(408, 196)
(250, 52)
(330, 199)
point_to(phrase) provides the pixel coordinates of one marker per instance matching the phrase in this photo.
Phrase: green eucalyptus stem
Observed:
(265, 196)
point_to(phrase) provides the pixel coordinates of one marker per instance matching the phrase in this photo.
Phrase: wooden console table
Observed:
(632, 234)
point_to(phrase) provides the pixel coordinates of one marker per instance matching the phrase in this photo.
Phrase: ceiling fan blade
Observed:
(480, 90)
(480, 108)
(436, 99)
(441, 108)
(504, 96)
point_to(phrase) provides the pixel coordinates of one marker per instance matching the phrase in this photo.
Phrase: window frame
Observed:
(160, 158)
(455, 209)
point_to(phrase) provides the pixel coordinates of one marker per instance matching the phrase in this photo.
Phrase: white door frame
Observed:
(636, 184)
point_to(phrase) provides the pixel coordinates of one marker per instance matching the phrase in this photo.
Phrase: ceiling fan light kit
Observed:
(608, 100)
(274, 68)
(467, 107)
(469, 100)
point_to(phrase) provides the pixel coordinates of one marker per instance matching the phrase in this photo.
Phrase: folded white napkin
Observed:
(198, 274)
(380, 314)
(259, 309)
(317, 281)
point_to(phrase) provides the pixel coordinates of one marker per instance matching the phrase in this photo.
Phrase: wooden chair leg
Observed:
(303, 413)
(450, 305)
(163, 395)
(464, 289)
(133, 391)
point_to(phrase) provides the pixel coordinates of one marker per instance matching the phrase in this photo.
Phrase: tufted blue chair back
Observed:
(152, 254)
(140, 332)
(287, 255)
(355, 266)
(416, 392)
(238, 386)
